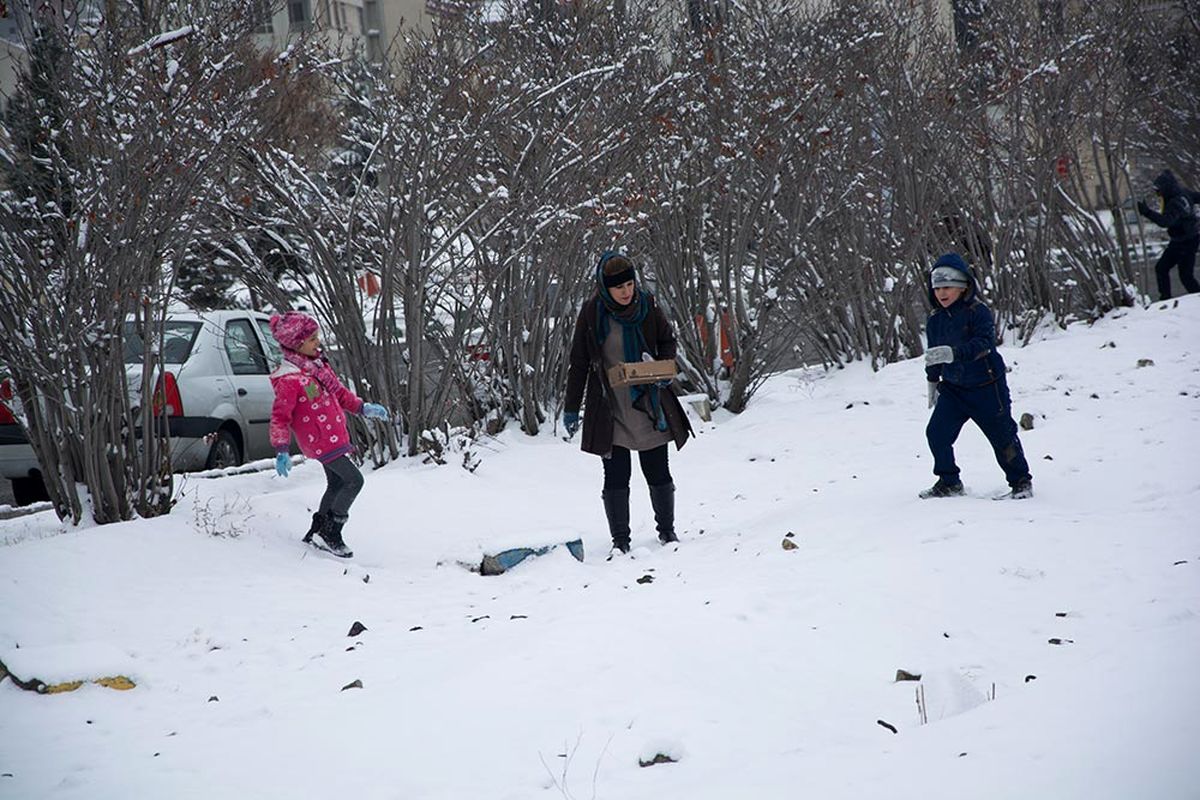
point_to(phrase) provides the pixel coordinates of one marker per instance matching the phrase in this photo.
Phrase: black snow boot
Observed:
(616, 508)
(662, 499)
(317, 523)
(942, 488)
(331, 538)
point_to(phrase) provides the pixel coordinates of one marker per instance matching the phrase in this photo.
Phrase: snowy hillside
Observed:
(1058, 638)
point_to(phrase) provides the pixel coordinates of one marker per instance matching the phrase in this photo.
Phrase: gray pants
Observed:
(345, 482)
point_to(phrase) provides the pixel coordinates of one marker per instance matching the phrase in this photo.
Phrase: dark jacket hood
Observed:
(1167, 184)
(957, 262)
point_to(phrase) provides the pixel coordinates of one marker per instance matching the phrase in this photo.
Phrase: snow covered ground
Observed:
(765, 672)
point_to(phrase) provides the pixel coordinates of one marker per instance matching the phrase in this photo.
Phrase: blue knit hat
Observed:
(950, 270)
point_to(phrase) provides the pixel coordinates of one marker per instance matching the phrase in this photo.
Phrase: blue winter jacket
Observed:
(968, 327)
(1178, 215)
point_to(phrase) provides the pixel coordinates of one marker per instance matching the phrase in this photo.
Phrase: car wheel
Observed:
(224, 452)
(29, 490)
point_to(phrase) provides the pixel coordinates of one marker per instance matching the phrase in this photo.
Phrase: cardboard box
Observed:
(631, 374)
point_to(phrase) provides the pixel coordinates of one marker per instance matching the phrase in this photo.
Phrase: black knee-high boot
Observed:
(662, 499)
(616, 508)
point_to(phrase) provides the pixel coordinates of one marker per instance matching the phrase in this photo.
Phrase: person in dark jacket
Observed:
(967, 380)
(1179, 218)
(622, 323)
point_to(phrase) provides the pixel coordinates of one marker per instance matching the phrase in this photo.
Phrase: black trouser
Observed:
(990, 408)
(1183, 254)
(345, 482)
(618, 467)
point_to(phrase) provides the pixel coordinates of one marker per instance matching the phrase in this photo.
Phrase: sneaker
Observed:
(942, 489)
(1022, 491)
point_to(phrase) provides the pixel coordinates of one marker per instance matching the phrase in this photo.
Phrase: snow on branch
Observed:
(163, 39)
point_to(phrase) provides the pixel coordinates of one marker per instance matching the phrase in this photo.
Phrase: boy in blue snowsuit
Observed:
(967, 380)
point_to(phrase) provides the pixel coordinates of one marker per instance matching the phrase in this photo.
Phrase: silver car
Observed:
(216, 395)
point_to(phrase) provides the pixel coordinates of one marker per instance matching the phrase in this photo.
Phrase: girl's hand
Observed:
(374, 411)
(283, 464)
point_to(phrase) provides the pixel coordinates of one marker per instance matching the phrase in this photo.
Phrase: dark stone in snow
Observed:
(354, 684)
(887, 725)
(659, 758)
(356, 628)
(905, 675)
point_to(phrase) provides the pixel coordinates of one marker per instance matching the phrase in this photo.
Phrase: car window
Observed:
(246, 355)
(274, 353)
(178, 338)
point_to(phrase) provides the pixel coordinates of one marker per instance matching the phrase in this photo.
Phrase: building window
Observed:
(261, 11)
(299, 15)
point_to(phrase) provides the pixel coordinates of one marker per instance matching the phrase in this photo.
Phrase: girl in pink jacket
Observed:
(311, 402)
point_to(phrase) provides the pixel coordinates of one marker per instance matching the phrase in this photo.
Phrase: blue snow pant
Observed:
(1180, 254)
(989, 407)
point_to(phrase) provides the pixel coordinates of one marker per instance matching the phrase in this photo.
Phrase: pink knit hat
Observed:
(292, 327)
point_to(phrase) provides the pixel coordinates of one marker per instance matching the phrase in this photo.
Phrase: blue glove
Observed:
(571, 422)
(283, 464)
(374, 411)
(942, 354)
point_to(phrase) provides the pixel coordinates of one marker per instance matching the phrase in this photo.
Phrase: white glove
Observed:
(942, 354)
(933, 393)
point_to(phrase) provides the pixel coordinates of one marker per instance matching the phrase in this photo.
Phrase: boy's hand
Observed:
(933, 393)
(374, 411)
(1142, 208)
(283, 464)
(942, 354)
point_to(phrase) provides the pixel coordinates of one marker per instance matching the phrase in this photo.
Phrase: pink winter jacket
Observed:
(303, 405)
